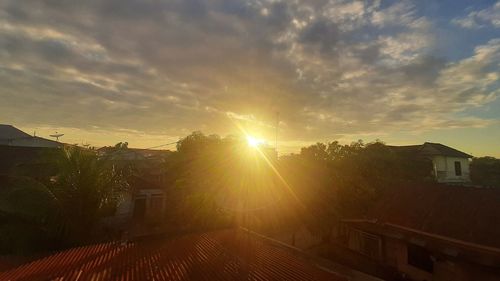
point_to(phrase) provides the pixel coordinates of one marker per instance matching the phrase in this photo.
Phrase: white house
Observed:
(449, 165)
(12, 136)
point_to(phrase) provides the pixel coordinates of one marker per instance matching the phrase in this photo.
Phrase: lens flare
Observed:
(254, 142)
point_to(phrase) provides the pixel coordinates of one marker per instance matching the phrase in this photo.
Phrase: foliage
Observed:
(220, 180)
(213, 182)
(334, 180)
(63, 210)
(485, 171)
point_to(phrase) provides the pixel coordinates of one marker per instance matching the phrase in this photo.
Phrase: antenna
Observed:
(57, 136)
(277, 127)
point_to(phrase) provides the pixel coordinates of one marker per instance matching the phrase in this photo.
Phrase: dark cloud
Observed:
(323, 33)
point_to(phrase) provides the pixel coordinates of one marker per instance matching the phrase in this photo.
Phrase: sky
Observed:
(151, 71)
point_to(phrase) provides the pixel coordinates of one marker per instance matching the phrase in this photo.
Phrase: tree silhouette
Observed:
(65, 210)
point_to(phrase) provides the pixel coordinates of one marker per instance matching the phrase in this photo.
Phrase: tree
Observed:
(485, 171)
(66, 209)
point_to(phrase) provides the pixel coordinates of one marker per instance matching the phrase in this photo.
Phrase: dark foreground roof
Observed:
(463, 213)
(223, 255)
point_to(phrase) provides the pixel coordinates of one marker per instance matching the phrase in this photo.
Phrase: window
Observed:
(156, 203)
(458, 168)
(139, 209)
(365, 243)
(420, 258)
(370, 245)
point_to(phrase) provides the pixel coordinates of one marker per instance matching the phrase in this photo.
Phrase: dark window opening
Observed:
(420, 258)
(458, 168)
(370, 245)
(156, 203)
(139, 209)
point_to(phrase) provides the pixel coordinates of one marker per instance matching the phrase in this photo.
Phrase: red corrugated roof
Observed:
(222, 255)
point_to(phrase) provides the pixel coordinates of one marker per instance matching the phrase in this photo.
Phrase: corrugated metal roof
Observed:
(222, 255)
(463, 213)
(11, 132)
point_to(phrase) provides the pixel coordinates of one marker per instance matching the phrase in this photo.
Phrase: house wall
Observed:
(396, 255)
(149, 194)
(125, 210)
(303, 238)
(444, 169)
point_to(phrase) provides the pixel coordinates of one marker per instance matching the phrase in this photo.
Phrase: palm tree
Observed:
(64, 210)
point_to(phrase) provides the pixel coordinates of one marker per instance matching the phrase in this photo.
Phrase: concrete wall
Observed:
(444, 269)
(444, 168)
(124, 211)
(396, 255)
(148, 194)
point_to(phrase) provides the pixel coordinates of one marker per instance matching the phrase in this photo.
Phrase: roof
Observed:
(10, 135)
(430, 149)
(13, 156)
(11, 132)
(221, 255)
(463, 213)
(410, 149)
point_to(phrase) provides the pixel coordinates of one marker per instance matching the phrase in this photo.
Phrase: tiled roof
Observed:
(222, 255)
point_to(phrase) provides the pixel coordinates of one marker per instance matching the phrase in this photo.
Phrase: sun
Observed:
(254, 142)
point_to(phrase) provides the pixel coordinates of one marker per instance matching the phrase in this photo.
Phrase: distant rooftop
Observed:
(11, 132)
(12, 136)
(431, 149)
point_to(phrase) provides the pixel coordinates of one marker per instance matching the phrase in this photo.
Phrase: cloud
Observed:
(477, 19)
(329, 67)
(400, 13)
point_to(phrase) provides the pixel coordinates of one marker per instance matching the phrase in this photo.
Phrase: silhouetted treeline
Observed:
(217, 178)
(209, 182)
(485, 171)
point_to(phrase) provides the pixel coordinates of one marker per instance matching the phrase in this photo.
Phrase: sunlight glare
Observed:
(254, 142)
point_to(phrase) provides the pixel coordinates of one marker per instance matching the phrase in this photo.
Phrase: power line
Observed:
(136, 150)
(161, 145)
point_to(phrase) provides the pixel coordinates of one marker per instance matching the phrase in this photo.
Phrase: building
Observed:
(11, 136)
(142, 210)
(426, 233)
(449, 165)
(220, 255)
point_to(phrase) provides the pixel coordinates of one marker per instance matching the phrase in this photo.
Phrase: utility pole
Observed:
(277, 127)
